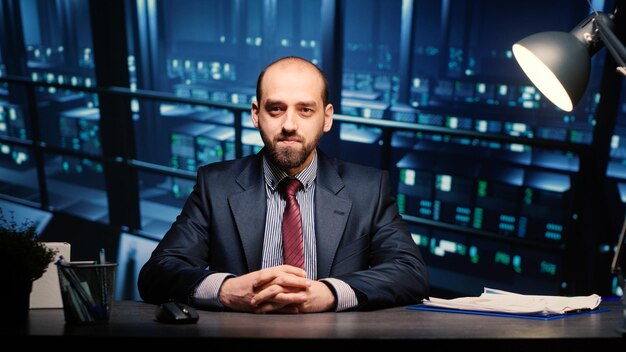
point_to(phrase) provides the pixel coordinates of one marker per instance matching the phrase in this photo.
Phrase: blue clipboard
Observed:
(507, 315)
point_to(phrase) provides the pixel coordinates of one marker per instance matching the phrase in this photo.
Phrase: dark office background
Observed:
(107, 108)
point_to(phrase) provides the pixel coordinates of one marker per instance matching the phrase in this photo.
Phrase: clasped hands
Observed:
(279, 289)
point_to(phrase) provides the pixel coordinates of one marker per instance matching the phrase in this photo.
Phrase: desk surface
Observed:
(135, 320)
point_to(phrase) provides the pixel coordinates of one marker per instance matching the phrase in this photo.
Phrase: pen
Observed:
(102, 256)
(74, 286)
(82, 262)
(104, 286)
(61, 261)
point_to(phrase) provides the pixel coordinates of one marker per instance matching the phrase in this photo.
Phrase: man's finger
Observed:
(289, 281)
(266, 275)
(278, 294)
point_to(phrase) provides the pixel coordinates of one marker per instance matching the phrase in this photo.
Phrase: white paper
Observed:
(46, 292)
(498, 301)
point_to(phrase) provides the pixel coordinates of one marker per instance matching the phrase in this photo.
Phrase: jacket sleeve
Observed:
(180, 260)
(397, 273)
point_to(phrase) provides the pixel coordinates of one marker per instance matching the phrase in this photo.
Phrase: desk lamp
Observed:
(559, 63)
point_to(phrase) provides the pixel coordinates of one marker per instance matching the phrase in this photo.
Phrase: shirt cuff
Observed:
(207, 293)
(346, 297)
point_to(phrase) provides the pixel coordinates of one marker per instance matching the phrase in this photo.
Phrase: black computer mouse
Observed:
(176, 313)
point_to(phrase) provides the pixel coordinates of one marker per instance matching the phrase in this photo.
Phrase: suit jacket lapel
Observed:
(248, 208)
(331, 214)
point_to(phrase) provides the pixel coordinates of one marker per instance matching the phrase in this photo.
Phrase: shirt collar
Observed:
(273, 175)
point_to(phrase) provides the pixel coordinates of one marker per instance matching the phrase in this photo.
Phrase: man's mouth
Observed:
(290, 140)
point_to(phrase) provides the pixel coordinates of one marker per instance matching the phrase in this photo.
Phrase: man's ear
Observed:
(255, 113)
(328, 117)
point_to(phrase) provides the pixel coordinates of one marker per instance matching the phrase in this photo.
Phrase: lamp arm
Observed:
(616, 268)
(613, 44)
(619, 251)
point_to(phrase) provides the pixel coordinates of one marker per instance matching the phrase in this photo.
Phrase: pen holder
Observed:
(87, 292)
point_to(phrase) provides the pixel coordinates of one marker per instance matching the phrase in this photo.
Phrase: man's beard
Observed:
(289, 157)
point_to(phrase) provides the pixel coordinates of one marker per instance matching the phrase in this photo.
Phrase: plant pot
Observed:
(16, 295)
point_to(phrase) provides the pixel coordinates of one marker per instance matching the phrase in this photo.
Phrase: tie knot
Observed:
(289, 187)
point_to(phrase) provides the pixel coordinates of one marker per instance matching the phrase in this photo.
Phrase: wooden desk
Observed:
(390, 328)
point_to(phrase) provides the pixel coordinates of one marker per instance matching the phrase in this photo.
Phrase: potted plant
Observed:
(25, 260)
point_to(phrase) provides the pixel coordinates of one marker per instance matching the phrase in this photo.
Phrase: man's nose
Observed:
(290, 123)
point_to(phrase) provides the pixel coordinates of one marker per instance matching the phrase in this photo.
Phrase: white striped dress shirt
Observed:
(207, 292)
(273, 241)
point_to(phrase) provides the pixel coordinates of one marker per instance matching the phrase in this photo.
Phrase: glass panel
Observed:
(371, 56)
(57, 36)
(488, 262)
(465, 77)
(2, 67)
(298, 32)
(4, 93)
(211, 50)
(162, 198)
(370, 81)
(76, 186)
(67, 123)
(616, 182)
(192, 143)
(18, 174)
(132, 254)
(220, 46)
(462, 76)
(13, 122)
(20, 215)
(185, 137)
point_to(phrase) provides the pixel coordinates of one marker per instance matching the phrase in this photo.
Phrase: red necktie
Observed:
(293, 249)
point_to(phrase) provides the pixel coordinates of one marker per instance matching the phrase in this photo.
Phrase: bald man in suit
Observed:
(224, 251)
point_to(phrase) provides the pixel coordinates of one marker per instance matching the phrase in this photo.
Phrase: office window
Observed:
(2, 69)
(616, 181)
(370, 81)
(372, 32)
(513, 208)
(161, 199)
(485, 263)
(18, 174)
(211, 51)
(76, 186)
(57, 33)
(207, 56)
(57, 37)
(18, 177)
(465, 78)
(133, 252)
(298, 32)
(464, 72)
(57, 42)
(214, 49)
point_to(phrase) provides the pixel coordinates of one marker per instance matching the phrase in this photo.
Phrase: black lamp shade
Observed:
(557, 63)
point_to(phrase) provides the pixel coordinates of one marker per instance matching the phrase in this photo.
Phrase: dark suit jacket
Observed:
(360, 236)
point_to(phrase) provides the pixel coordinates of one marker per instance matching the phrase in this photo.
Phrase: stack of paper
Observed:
(497, 301)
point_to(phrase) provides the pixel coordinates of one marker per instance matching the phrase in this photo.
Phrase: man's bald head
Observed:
(292, 60)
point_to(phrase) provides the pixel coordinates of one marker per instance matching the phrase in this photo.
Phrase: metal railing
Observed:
(39, 147)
